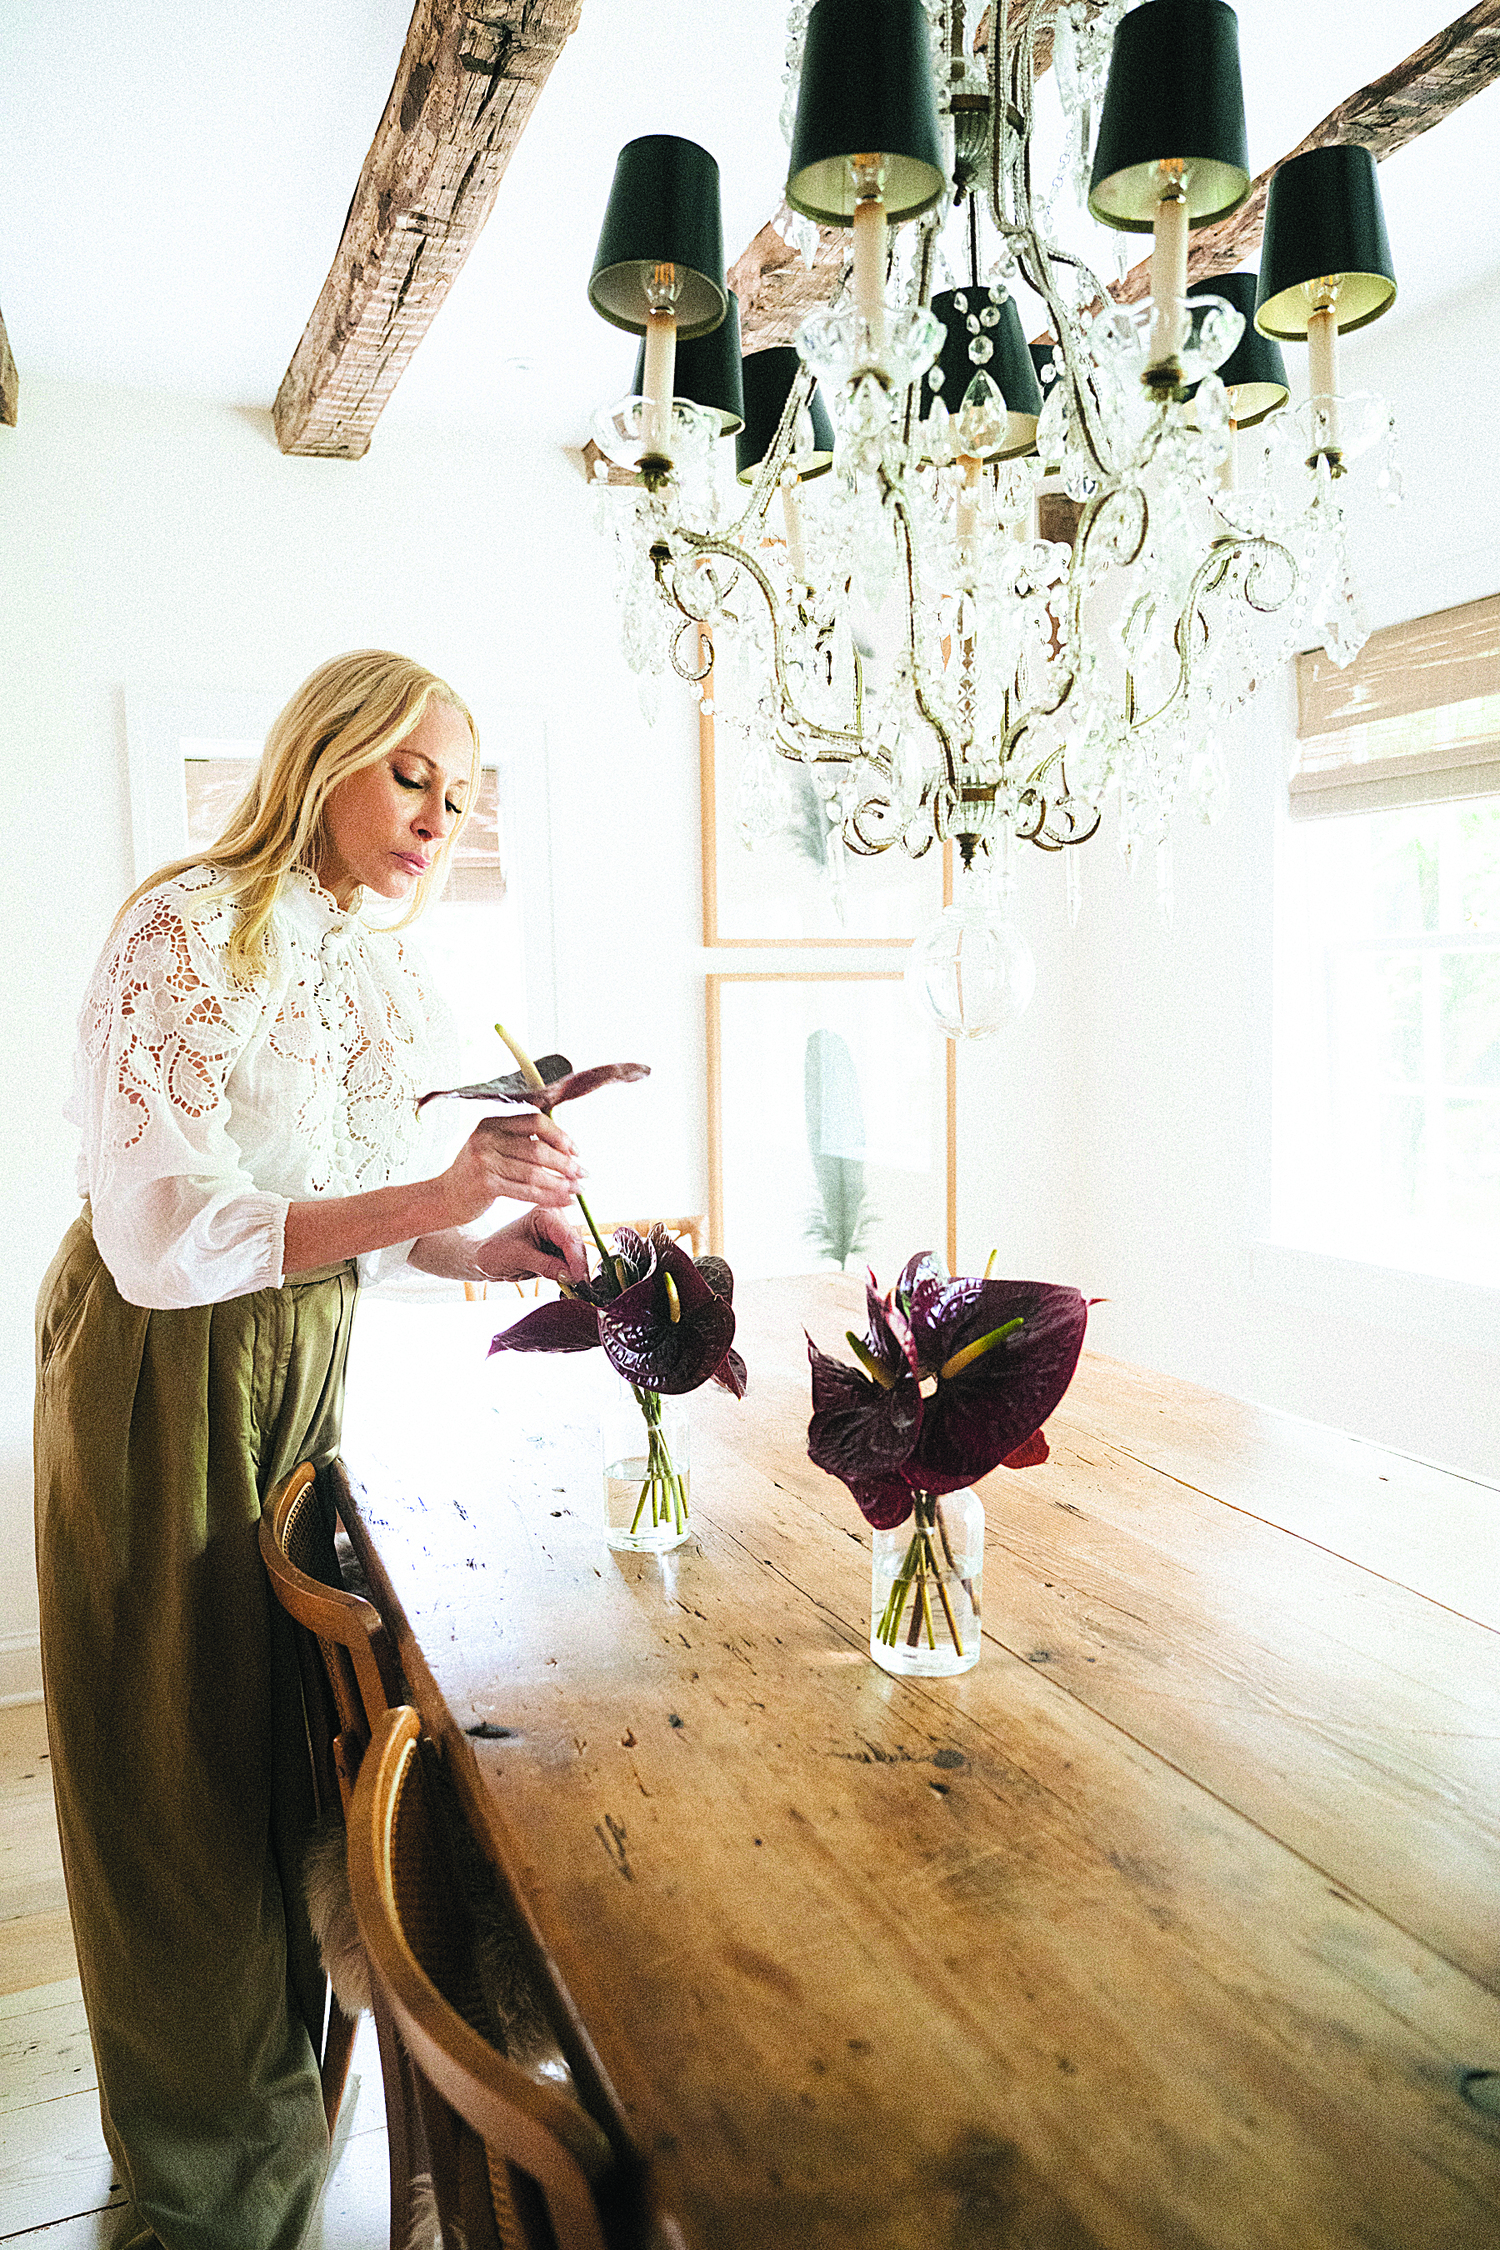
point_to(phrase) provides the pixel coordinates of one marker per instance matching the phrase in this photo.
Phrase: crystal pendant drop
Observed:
(980, 427)
(971, 971)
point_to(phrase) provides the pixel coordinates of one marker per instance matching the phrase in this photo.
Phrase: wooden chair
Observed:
(358, 1662)
(515, 2160)
(350, 1678)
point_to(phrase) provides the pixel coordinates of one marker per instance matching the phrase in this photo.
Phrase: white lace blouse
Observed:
(206, 1107)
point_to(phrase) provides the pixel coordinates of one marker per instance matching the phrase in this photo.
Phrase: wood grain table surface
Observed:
(1175, 1923)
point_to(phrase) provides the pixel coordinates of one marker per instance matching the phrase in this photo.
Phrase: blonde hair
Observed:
(347, 715)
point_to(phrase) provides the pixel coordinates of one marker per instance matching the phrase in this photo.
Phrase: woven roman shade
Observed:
(1414, 720)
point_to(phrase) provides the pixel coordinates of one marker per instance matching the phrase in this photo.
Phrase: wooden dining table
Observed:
(1172, 1925)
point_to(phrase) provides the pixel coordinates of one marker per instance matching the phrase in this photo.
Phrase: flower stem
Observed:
(918, 1575)
(663, 1485)
(966, 1583)
(604, 1256)
(533, 1077)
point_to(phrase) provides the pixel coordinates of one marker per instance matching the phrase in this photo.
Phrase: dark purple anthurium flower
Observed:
(665, 1321)
(563, 1084)
(958, 1377)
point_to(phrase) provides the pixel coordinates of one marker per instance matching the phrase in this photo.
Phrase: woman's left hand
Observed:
(542, 1243)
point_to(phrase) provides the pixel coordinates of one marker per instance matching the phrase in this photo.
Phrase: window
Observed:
(1387, 1099)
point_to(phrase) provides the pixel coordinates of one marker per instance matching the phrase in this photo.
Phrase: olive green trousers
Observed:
(179, 1755)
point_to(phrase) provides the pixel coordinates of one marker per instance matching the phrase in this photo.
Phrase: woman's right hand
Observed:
(522, 1155)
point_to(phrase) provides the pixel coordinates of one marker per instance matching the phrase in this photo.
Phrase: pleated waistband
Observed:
(342, 1268)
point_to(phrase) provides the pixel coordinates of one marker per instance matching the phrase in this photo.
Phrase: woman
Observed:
(250, 1054)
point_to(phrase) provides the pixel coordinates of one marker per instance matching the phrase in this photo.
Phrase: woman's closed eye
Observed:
(415, 781)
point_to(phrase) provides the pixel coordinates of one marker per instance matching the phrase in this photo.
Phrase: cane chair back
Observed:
(525, 2172)
(349, 1678)
(363, 1678)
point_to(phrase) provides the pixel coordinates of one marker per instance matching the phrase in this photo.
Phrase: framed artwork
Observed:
(831, 1124)
(779, 890)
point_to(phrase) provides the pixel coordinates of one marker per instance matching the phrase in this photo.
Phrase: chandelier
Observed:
(977, 589)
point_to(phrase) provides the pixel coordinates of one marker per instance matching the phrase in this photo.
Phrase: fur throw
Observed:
(330, 1910)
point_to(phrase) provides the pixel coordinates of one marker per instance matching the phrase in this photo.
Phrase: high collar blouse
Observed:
(207, 1106)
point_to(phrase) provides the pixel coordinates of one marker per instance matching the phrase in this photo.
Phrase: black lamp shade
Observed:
(1255, 372)
(1009, 365)
(663, 209)
(708, 371)
(1173, 92)
(768, 378)
(866, 89)
(1324, 218)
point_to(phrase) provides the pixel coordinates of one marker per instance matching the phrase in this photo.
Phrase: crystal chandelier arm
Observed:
(702, 544)
(869, 847)
(768, 475)
(1123, 535)
(795, 754)
(1012, 91)
(1209, 574)
(997, 59)
(1071, 625)
(902, 513)
(694, 670)
(778, 452)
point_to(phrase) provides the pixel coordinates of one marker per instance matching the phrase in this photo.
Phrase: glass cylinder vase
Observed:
(925, 1587)
(646, 1468)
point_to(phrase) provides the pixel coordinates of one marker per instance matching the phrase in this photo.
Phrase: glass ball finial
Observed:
(971, 971)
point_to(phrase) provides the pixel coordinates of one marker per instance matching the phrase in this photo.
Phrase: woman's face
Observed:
(385, 825)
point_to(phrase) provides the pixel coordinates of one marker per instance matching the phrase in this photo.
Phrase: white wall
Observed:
(155, 543)
(1121, 1139)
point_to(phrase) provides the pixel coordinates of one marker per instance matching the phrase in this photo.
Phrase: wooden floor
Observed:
(57, 2187)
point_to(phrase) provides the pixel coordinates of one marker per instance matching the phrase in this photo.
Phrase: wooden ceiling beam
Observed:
(776, 290)
(468, 80)
(1454, 65)
(10, 381)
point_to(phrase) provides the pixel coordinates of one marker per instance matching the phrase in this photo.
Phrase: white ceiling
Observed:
(178, 171)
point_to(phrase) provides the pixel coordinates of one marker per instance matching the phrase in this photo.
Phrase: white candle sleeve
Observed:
(968, 498)
(661, 366)
(869, 266)
(1169, 248)
(1323, 377)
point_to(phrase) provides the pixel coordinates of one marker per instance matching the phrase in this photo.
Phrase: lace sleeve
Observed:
(177, 1218)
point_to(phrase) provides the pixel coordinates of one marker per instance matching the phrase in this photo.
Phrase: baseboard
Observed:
(20, 1669)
